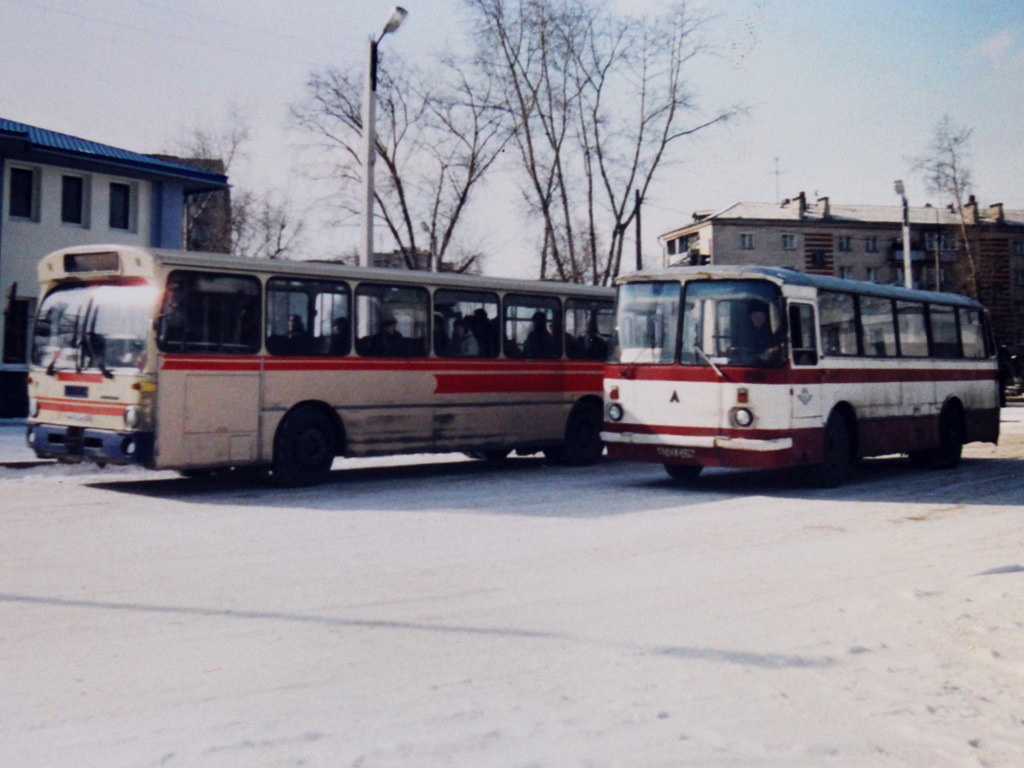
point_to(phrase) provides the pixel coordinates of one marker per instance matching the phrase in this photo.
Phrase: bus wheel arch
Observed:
(583, 444)
(305, 443)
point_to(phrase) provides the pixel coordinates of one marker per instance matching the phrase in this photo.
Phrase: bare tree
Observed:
(597, 100)
(249, 223)
(437, 135)
(946, 172)
(263, 225)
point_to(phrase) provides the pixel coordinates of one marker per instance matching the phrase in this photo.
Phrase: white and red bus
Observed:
(195, 362)
(760, 367)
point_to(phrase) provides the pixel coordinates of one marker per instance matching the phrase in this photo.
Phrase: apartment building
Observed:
(864, 242)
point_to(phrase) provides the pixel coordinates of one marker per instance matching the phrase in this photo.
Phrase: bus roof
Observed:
(782, 276)
(145, 259)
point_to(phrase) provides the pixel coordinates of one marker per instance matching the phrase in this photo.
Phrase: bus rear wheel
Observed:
(303, 448)
(837, 454)
(951, 438)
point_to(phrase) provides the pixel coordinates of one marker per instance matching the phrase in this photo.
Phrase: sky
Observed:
(839, 95)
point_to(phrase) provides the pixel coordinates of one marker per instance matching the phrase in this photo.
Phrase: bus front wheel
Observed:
(684, 473)
(303, 448)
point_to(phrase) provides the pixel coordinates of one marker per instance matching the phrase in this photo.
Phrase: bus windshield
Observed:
(93, 327)
(732, 322)
(646, 322)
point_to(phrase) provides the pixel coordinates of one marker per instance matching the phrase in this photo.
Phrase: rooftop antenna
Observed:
(778, 173)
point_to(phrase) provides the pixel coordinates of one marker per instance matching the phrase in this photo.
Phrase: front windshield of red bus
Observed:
(94, 327)
(732, 322)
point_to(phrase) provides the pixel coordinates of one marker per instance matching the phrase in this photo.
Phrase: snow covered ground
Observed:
(450, 614)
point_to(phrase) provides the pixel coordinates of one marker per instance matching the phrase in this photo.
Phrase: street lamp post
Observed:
(901, 191)
(369, 133)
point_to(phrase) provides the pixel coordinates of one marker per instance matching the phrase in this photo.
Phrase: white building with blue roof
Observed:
(59, 190)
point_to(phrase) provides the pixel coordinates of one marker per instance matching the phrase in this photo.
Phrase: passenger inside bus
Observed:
(299, 341)
(338, 345)
(386, 342)
(591, 345)
(540, 342)
(463, 342)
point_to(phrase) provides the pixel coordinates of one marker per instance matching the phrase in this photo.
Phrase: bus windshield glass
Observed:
(646, 323)
(732, 322)
(94, 327)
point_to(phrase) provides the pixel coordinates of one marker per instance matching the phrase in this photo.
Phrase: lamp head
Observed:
(898, 185)
(395, 20)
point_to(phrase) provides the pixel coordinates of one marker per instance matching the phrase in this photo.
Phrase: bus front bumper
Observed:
(707, 451)
(51, 441)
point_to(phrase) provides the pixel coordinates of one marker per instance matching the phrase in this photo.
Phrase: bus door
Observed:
(805, 382)
(208, 385)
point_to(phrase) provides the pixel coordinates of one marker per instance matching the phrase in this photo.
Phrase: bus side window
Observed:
(588, 327)
(211, 313)
(838, 323)
(392, 320)
(533, 327)
(802, 334)
(465, 323)
(945, 340)
(972, 334)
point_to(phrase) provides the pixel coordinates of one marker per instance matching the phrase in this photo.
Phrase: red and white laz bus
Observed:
(762, 367)
(195, 362)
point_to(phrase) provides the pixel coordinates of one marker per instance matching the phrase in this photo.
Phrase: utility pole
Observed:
(636, 210)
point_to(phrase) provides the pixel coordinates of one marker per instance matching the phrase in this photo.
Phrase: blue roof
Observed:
(83, 149)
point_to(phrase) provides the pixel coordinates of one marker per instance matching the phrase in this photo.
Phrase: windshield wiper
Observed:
(704, 356)
(87, 345)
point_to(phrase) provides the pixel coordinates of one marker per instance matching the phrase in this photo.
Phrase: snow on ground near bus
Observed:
(451, 614)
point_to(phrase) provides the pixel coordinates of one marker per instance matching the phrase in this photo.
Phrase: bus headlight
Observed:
(131, 417)
(33, 407)
(615, 412)
(742, 417)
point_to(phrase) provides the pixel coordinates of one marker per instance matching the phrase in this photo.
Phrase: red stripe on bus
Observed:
(229, 364)
(81, 406)
(482, 383)
(582, 375)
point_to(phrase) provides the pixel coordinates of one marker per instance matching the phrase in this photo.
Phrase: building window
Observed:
(22, 198)
(747, 241)
(846, 273)
(789, 242)
(72, 199)
(1018, 247)
(871, 244)
(1018, 277)
(872, 274)
(930, 241)
(948, 242)
(120, 206)
(845, 243)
